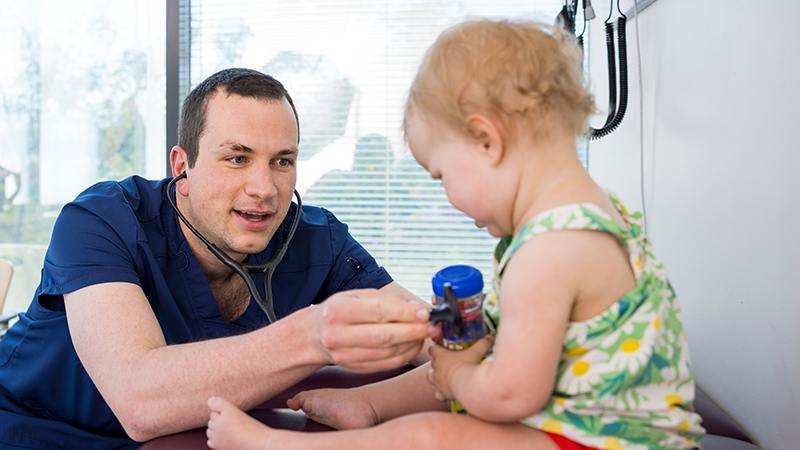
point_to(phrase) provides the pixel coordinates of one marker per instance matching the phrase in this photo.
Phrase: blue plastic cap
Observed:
(465, 280)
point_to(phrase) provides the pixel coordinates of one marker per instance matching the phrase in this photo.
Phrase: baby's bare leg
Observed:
(432, 430)
(439, 430)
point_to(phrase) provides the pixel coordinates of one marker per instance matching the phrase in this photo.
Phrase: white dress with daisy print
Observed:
(624, 379)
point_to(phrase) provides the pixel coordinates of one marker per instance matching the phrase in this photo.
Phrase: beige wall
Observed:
(722, 190)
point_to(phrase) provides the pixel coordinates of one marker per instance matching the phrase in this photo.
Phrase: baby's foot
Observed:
(231, 428)
(342, 409)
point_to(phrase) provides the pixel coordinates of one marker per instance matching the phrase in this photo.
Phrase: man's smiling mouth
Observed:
(253, 217)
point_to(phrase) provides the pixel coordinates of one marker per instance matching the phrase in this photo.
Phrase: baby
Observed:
(587, 349)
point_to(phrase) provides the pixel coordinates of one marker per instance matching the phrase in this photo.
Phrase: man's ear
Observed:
(486, 133)
(180, 163)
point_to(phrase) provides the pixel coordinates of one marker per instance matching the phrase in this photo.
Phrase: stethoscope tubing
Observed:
(244, 270)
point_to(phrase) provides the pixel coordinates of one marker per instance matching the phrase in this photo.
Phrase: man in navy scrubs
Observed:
(136, 323)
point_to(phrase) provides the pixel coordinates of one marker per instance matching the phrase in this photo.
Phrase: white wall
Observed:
(722, 190)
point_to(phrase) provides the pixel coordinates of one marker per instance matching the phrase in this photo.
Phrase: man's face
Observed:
(241, 186)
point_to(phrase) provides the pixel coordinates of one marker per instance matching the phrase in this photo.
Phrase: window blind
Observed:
(348, 65)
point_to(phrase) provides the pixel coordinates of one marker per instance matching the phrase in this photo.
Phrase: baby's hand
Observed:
(342, 409)
(446, 363)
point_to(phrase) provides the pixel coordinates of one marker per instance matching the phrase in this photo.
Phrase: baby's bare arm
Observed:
(552, 279)
(538, 291)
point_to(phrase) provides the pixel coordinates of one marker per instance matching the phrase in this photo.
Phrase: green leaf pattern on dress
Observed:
(624, 378)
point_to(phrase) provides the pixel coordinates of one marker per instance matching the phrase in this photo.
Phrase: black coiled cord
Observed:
(615, 115)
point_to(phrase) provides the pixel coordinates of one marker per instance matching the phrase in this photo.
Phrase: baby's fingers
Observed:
(480, 348)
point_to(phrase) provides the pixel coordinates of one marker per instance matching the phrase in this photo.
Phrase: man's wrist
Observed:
(297, 331)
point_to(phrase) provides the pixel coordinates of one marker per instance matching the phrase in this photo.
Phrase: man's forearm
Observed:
(171, 385)
(156, 389)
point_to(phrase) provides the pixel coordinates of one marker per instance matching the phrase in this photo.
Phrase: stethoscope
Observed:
(566, 19)
(244, 270)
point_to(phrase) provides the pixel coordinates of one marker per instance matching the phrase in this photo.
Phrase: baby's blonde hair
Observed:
(507, 70)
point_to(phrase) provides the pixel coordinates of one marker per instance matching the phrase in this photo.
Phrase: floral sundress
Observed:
(624, 379)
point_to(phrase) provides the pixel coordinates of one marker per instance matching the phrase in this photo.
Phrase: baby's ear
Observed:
(487, 134)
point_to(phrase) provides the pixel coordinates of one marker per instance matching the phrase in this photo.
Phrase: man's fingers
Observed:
(370, 328)
(373, 306)
(372, 366)
(398, 355)
(374, 335)
(364, 360)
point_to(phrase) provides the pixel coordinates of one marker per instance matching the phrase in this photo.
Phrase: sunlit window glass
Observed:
(81, 100)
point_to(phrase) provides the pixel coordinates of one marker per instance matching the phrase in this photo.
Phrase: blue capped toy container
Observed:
(467, 284)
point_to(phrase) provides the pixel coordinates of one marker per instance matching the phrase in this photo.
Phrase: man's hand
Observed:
(447, 364)
(369, 330)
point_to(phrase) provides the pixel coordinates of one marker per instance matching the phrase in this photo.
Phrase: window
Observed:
(81, 100)
(347, 66)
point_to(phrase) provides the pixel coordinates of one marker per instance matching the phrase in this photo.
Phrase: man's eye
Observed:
(283, 162)
(237, 159)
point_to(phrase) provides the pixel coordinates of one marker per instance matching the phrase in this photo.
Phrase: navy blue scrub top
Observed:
(128, 232)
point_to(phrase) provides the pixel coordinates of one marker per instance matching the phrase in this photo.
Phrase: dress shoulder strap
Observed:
(574, 216)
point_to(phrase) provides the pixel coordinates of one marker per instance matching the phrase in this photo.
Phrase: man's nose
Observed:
(260, 183)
